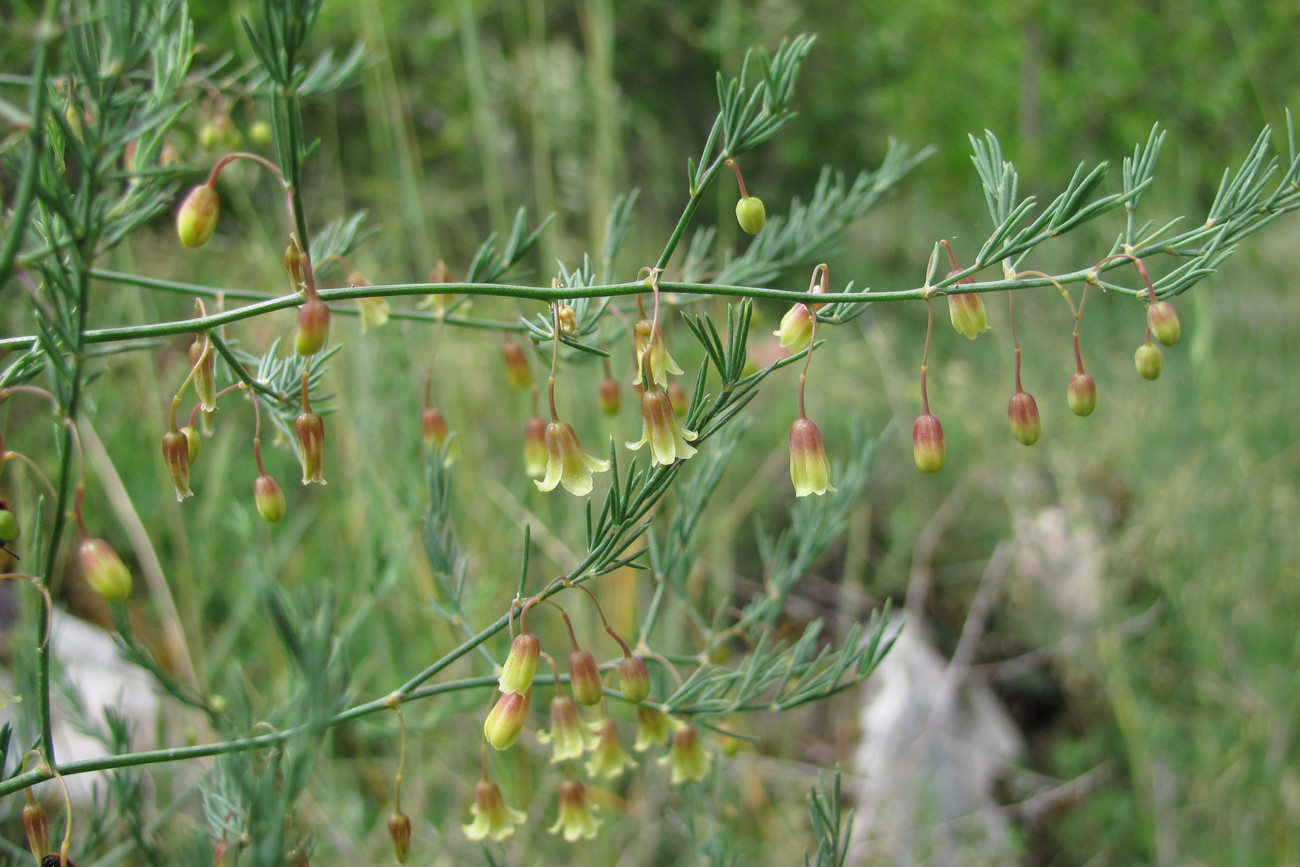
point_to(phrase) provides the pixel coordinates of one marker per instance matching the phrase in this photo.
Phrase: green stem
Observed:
(687, 213)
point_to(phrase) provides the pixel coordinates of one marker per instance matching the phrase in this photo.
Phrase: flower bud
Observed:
(9, 531)
(535, 453)
(260, 133)
(506, 720)
(608, 758)
(205, 364)
(681, 401)
(492, 817)
(609, 397)
(569, 736)
(1149, 361)
(751, 214)
(209, 136)
(37, 827)
(434, 427)
(577, 819)
(584, 678)
(1082, 394)
(928, 447)
(197, 218)
(193, 442)
(399, 828)
(311, 446)
(521, 664)
(686, 757)
(1026, 426)
(810, 470)
(293, 266)
(518, 374)
(796, 328)
(176, 453)
(105, 571)
(633, 679)
(313, 327)
(1163, 322)
(269, 498)
(568, 319)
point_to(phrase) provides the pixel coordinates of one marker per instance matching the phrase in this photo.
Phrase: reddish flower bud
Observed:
(535, 453)
(37, 827)
(1149, 361)
(928, 447)
(176, 453)
(399, 829)
(434, 427)
(1082, 394)
(197, 218)
(521, 664)
(810, 470)
(105, 571)
(609, 397)
(311, 447)
(751, 215)
(269, 498)
(1163, 322)
(1026, 426)
(313, 327)
(518, 373)
(634, 679)
(505, 722)
(584, 678)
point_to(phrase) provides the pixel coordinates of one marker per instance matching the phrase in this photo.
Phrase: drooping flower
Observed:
(204, 360)
(399, 830)
(505, 722)
(535, 448)
(567, 464)
(569, 736)
(810, 470)
(796, 329)
(966, 310)
(653, 727)
(491, 815)
(686, 757)
(176, 454)
(521, 664)
(374, 311)
(608, 759)
(310, 429)
(577, 817)
(649, 336)
(668, 440)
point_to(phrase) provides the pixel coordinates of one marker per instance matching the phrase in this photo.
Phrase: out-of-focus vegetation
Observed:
(1174, 699)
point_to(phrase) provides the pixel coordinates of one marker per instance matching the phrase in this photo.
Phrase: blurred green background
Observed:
(1174, 695)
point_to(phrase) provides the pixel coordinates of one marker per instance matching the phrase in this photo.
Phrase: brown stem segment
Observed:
(740, 180)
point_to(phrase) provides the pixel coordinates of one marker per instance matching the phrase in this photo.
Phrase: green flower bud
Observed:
(928, 446)
(518, 374)
(1026, 426)
(8, 527)
(313, 327)
(197, 218)
(608, 396)
(584, 678)
(105, 571)
(1082, 394)
(399, 829)
(1149, 361)
(269, 498)
(37, 827)
(521, 664)
(260, 133)
(505, 722)
(633, 679)
(193, 442)
(1163, 322)
(751, 214)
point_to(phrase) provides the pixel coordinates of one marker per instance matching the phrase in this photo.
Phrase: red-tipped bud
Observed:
(609, 397)
(584, 678)
(1163, 322)
(311, 447)
(399, 828)
(928, 447)
(1082, 394)
(193, 442)
(751, 215)
(521, 664)
(1026, 426)
(313, 327)
(37, 827)
(505, 722)
(269, 497)
(535, 453)
(176, 453)
(197, 218)
(434, 427)
(634, 679)
(686, 757)
(105, 571)
(9, 529)
(518, 373)
(810, 470)
(577, 819)
(205, 381)
(1149, 361)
